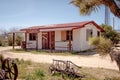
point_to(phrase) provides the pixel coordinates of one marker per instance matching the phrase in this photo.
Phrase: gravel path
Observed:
(87, 61)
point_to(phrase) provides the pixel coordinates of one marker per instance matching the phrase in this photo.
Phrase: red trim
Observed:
(97, 26)
(68, 25)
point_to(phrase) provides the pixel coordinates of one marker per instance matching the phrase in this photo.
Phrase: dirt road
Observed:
(87, 61)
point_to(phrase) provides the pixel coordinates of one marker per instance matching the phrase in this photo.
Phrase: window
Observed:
(98, 33)
(32, 36)
(89, 33)
(65, 35)
(68, 35)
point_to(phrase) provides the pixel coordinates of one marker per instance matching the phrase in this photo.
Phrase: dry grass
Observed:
(48, 52)
(39, 71)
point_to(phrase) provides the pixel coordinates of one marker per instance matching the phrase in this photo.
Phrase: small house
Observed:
(68, 36)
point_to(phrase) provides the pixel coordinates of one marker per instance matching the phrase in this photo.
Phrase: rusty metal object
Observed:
(65, 67)
(10, 69)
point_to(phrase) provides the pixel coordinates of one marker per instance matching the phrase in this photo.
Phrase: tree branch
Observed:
(113, 7)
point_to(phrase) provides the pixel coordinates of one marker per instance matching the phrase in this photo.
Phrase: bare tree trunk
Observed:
(115, 56)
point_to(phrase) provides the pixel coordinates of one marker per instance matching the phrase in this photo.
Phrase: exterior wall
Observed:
(30, 44)
(76, 40)
(79, 42)
(40, 40)
(59, 44)
(84, 43)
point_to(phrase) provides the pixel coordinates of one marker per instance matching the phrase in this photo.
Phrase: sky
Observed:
(26, 13)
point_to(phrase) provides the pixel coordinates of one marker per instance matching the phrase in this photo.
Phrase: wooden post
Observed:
(25, 40)
(70, 41)
(13, 44)
(50, 41)
(37, 41)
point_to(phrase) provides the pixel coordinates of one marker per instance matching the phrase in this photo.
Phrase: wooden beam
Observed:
(13, 43)
(36, 41)
(70, 41)
(25, 40)
(50, 42)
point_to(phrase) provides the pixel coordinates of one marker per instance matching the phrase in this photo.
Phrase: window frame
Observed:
(32, 36)
(66, 35)
(89, 33)
(98, 34)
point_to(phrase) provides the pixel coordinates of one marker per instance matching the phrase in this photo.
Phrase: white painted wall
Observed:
(76, 40)
(30, 44)
(60, 45)
(85, 44)
(79, 42)
(40, 40)
(57, 36)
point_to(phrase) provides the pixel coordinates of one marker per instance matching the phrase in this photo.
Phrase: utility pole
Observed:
(13, 43)
(107, 15)
(113, 23)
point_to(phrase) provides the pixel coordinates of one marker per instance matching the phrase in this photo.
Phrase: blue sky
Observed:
(26, 13)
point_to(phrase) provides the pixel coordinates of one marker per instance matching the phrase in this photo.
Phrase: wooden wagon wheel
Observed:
(10, 67)
(52, 69)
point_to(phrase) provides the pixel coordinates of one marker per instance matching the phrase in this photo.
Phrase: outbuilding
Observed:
(68, 36)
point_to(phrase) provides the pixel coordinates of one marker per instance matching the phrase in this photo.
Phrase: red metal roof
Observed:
(75, 25)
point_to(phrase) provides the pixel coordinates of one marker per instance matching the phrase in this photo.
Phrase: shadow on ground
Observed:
(86, 53)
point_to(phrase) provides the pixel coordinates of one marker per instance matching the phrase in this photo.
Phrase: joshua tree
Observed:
(104, 46)
(87, 6)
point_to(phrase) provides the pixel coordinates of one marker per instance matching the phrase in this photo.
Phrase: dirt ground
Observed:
(87, 61)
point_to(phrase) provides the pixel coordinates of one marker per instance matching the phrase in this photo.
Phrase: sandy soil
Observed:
(87, 61)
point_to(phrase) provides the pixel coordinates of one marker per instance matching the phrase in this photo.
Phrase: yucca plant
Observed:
(103, 46)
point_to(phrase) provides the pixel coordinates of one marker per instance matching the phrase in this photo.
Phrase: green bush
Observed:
(94, 40)
(110, 33)
(2, 42)
(102, 45)
(10, 40)
(39, 74)
(18, 39)
(29, 77)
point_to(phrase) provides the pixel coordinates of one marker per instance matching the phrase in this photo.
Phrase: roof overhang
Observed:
(17, 32)
(58, 29)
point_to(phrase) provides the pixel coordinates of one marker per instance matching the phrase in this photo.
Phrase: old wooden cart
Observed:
(65, 67)
(9, 70)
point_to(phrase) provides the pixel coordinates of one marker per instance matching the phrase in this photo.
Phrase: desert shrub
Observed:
(110, 33)
(30, 77)
(113, 78)
(103, 46)
(10, 40)
(39, 74)
(2, 42)
(94, 41)
(18, 39)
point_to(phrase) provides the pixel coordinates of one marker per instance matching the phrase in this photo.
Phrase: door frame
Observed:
(48, 40)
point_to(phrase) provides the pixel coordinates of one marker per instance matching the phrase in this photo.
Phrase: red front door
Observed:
(48, 40)
(52, 39)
